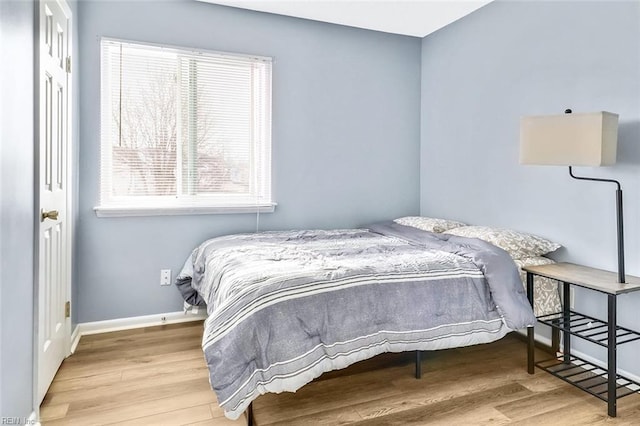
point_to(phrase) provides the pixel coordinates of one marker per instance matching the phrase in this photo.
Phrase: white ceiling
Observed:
(408, 17)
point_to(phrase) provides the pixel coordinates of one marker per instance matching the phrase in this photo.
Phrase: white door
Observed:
(54, 193)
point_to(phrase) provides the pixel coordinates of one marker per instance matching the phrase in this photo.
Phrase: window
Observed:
(184, 131)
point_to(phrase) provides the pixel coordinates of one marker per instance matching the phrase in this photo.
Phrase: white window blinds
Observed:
(184, 128)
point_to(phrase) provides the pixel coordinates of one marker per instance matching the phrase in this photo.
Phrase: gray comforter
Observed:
(284, 307)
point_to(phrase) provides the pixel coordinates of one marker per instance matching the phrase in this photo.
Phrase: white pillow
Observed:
(518, 244)
(429, 223)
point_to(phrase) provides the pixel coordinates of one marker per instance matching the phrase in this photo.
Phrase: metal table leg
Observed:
(418, 365)
(612, 368)
(566, 313)
(250, 414)
(530, 330)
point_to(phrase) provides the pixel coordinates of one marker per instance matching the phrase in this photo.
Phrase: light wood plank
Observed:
(128, 411)
(113, 395)
(118, 378)
(484, 415)
(87, 370)
(183, 416)
(142, 339)
(54, 411)
(421, 409)
(60, 384)
(545, 401)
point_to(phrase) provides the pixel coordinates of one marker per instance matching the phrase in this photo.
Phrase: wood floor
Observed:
(157, 376)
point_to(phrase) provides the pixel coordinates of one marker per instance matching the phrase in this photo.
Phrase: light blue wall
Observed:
(346, 113)
(512, 58)
(16, 208)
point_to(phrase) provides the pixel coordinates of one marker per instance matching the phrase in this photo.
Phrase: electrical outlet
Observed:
(165, 277)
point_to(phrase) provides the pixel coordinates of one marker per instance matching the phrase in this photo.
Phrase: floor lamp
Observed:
(585, 139)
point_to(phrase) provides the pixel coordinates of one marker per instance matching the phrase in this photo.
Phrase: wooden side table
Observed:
(609, 386)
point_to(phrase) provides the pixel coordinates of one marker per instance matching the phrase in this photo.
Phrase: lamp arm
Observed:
(620, 227)
(593, 179)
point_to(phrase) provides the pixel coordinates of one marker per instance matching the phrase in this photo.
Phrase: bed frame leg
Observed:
(418, 364)
(250, 414)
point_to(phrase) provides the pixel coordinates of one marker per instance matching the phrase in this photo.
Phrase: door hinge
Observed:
(68, 64)
(67, 309)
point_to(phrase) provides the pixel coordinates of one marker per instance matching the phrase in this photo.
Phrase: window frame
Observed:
(204, 203)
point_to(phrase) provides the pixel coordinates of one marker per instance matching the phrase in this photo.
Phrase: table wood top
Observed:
(592, 278)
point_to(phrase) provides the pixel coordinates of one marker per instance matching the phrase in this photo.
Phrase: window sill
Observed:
(131, 211)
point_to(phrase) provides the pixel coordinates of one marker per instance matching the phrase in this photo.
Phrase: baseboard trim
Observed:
(75, 339)
(96, 327)
(33, 419)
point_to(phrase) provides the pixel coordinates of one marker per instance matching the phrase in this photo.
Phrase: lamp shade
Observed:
(583, 139)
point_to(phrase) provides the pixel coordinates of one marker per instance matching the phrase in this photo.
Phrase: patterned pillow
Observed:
(518, 244)
(547, 296)
(429, 223)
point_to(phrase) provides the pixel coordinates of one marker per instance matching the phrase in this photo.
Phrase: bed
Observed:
(285, 307)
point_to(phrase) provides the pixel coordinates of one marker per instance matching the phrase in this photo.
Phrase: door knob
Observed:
(53, 215)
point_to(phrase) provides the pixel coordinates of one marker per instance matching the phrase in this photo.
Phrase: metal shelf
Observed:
(588, 377)
(603, 382)
(588, 328)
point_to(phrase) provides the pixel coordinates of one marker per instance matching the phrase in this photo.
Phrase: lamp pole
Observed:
(619, 224)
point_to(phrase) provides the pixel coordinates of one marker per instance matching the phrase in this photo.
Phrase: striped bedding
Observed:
(285, 307)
